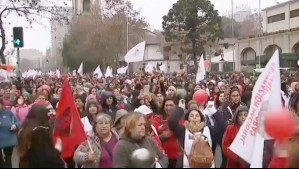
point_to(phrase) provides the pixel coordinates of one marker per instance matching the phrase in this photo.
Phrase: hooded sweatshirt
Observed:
(233, 160)
(109, 109)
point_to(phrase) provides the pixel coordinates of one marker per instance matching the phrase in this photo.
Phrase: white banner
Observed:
(136, 54)
(249, 142)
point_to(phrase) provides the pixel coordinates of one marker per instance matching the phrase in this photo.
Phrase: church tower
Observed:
(82, 7)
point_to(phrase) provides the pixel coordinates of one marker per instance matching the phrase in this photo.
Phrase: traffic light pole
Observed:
(18, 63)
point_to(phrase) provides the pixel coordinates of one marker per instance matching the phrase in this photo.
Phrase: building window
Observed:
(276, 18)
(294, 13)
(86, 5)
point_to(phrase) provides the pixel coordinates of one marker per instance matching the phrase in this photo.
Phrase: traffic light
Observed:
(18, 37)
(47, 61)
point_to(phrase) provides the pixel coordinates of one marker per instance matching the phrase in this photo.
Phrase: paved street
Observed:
(15, 159)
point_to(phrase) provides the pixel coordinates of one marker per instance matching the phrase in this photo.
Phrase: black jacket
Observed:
(112, 109)
(179, 131)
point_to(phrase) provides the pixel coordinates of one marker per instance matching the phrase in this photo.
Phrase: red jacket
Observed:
(278, 162)
(233, 160)
(158, 141)
(170, 145)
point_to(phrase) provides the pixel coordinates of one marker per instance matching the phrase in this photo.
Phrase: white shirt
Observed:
(189, 142)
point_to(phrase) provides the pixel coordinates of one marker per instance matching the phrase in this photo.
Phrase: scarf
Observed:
(193, 128)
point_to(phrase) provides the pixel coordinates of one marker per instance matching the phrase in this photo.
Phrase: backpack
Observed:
(201, 155)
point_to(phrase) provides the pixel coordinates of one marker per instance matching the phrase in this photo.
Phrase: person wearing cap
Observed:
(92, 109)
(109, 104)
(46, 90)
(80, 101)
(97, 150)
(233, 160)
(151, 130)
(42, 99)
(27, 98)
(119, 121)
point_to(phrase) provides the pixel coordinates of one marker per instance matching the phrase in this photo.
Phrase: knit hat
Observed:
(44, 87)
(238, 110)
(90, 102)
(89, 97)
(26, 94)
(120, 114)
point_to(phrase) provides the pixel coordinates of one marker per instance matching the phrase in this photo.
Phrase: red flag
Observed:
(68, 126)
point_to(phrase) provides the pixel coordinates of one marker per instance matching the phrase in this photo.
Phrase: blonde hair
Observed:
(131, 122)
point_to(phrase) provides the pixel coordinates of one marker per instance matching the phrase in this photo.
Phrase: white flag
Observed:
(201, 71)
(249, 142)
(163, 68)
(58, 73)
(80, 69)
(149, 68)
(74, 72)
(108, 72)
(98, 72)
(122, 70)
(136, 54)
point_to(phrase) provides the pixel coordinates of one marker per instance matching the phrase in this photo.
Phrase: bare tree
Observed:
(31, 10)
(101, 39)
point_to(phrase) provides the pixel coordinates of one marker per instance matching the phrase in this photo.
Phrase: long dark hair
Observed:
(202, 117)
(168, 98)
(37, 116)
(217, 101)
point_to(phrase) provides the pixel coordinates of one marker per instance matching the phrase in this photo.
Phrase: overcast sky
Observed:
(39, 36)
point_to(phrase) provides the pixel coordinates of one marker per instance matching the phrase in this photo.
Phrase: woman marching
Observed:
(194, 128)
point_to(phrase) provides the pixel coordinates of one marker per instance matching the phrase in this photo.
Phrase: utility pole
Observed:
(260, 33)
(127, 33)
(18, 63)
(128, 70)
(233, 35)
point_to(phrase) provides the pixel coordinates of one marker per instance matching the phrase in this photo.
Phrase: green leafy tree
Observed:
(192, 24)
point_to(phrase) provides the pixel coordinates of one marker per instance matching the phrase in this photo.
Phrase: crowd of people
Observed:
(142, 120)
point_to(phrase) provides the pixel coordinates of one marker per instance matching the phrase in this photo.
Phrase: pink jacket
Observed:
(21, 112)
